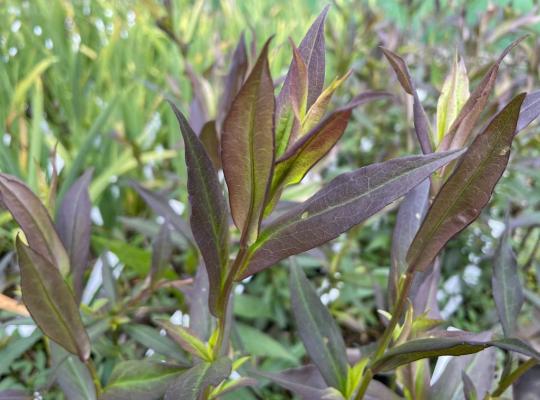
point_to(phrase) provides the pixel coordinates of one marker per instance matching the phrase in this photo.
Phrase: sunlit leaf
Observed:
(51, 303)
(345, 202)
(247, 147)
(209, 216)
(468, 190)
(189, 342)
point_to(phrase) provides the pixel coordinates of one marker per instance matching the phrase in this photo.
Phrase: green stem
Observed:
(95, 378)
(511, 378)
(387, 335)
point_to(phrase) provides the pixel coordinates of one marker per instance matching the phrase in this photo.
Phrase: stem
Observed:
(95, 378)
(510, 379)
(387, 335)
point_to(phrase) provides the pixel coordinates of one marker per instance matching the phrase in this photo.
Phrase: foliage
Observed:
(152, 250)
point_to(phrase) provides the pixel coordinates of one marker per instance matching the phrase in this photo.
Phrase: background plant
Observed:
(355, 267)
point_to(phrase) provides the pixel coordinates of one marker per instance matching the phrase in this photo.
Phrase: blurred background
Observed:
(83, 84)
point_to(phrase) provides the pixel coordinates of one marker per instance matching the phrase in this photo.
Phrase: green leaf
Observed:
(140, 380)
(194, 381)
(462, 127)
(189, 342)
(247, 147)
(507, 289)
(454, 94)
(151, 339)
(291, 168)
(14, 348)
(257, 343)
(209, 216)
(318, 331)
(448, 346)
(34, 220)
(345, 202)
(468, 190)
(51, 303)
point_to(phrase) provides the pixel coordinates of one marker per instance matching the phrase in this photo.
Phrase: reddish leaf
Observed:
(209, 217)
(34, 220)
(210, 140)
(247, 148)
(468, 190)
(345, 202)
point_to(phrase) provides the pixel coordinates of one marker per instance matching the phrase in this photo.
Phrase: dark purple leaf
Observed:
(527, 386)
(345, 202)
(74, 226)
(421, 124)
(318, 331)
(468, 190)
(34, 220)
(51, 303)
(247, 147)
(507, 290)
(411, 212)
(161, 252)
(192, 383)
(423, 293)
(210, 140)
(209, 217)
(197, 296)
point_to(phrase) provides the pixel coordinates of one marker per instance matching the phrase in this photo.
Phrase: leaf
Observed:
(247, 147)
(257, 343)
(233, 81)
(443, 346)
(34, 220)
(72, 375)
(468, 190)
(14, 347)
(411, 212)
(150, 338)
(507, 289)
(74, 225)
(345, 202)
(161, 207)
(317, 110)
(289, 120)
(291, 168)
(209, 217)
(161, 252)
(200, 321)
(468, 387)
(421, 124)
(527, 386)
(192, 384)
(463, 125)
(189, 342)
(530, 109)
(312, 50)
(14, 394)
(210, 140)
(51, 303)
(454, 94)
(140, 380)
(318, 331)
